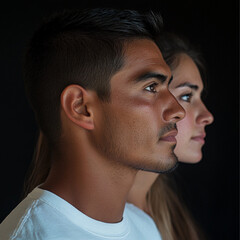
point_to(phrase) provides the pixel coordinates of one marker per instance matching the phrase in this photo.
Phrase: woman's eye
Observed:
(186, 97)
(152, 88)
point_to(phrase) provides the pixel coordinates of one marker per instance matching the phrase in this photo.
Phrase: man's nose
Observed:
(173, 112)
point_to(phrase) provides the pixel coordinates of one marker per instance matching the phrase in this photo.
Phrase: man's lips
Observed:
(170, 136)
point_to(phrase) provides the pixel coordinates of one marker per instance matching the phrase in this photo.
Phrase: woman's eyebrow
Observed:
(187, 84)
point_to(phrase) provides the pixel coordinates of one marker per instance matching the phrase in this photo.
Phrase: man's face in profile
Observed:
(137, 126)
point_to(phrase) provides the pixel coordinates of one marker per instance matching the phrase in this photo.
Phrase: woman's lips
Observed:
(199, 138)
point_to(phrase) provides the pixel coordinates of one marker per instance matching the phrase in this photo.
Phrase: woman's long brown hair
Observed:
(170, 214)
(40, 166)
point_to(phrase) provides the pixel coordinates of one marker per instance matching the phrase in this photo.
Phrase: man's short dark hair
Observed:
(84, 47)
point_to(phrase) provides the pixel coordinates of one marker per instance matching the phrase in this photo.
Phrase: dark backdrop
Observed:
(210, 188)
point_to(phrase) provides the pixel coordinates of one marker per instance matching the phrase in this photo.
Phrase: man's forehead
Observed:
(141, 49)
(144, 53)
(142, 58)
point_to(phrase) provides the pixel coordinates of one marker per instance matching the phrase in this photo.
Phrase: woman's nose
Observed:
(205, 117)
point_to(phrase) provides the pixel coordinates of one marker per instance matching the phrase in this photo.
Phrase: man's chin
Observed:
(170, 169)
(172, 164)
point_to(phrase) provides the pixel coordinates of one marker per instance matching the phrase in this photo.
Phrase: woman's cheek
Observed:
(185, 129)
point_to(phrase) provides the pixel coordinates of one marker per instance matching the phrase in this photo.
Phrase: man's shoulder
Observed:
(18, 219)
(143, 223)
(137, 214)
(43, 215)
(29, 220)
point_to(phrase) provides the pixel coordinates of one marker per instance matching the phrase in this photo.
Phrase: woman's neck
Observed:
(141, 186)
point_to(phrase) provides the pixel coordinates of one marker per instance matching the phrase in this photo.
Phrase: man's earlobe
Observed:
(75, 102)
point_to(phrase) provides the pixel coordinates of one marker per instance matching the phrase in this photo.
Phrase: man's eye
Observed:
(152, 88)
(186, 97)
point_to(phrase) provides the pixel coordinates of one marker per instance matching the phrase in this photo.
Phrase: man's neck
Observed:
(96, 187)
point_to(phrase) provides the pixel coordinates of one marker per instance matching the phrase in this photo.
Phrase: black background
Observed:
(210, 188)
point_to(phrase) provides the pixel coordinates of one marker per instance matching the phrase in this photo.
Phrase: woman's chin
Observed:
(196, 157)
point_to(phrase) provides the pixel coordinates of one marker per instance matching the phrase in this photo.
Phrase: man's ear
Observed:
(75, 101)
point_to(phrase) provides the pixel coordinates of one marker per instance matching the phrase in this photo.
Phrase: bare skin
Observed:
(186, 87)
(104, 144)
(138, 193)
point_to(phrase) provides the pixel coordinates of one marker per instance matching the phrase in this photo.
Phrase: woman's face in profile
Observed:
(187, 87)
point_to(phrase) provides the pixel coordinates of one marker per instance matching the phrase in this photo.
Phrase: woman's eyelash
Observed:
(151, 87)
(186, 97)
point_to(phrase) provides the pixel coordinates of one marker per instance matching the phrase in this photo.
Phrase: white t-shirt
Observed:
(42, 215)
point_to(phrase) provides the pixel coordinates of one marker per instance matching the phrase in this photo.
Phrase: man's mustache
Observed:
(167, 128)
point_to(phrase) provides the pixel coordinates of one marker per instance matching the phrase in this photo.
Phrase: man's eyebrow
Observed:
(187, 84)
(162, 78)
